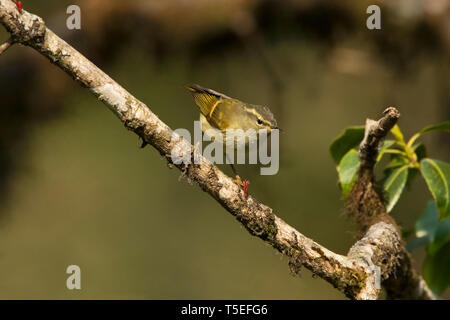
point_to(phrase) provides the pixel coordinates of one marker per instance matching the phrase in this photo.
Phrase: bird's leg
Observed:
(238, 179)
(244, 184)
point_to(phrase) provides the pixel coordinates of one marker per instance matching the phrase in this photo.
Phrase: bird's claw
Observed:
(246, 185)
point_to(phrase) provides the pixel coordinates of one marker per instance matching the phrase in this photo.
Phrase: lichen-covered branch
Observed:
(365, 203)
(385, 255)
(353, 274)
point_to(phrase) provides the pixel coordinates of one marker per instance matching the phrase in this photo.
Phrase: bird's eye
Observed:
(259, 121)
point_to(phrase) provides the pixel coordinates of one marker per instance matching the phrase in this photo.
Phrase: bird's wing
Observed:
(206, 99)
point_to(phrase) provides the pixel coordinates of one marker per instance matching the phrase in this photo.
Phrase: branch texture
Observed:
(355, 274)
(374, 134)
(5, 46)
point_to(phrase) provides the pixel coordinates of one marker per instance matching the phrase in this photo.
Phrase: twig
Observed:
(374, 134)
(5, 46)
(352, 274)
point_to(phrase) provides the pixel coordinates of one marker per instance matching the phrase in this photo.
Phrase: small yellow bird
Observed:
(218, 111)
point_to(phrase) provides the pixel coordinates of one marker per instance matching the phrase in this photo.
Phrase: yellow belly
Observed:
(207, 126)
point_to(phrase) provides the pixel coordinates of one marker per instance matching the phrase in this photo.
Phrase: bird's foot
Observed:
(246, 185)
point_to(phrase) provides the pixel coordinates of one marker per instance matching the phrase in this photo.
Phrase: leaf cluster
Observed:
(406, 159)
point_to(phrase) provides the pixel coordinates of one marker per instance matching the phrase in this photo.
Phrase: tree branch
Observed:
(354, 274)
(374, 134)
(365, 203)
(6, 45)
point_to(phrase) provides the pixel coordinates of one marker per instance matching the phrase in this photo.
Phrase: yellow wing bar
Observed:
(206, 99)
(214, 107)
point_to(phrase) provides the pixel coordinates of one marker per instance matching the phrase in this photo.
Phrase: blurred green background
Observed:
(76, 188)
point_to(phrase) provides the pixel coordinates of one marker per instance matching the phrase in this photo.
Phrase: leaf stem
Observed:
(395, 151)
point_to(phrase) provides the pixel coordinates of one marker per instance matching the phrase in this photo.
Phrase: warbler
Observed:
(218, 111)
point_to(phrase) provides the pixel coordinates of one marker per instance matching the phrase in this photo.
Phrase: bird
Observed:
(221, 112)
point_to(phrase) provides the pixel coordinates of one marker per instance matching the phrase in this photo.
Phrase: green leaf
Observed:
(428, 222)
(397, 134)
(393, 186)
(386, 144)
(416, 243)
(397, 160)
(441, 237)
(437, 262)
(443, 126)
(349, 139)
(429, 231)
(437, 176)
(348, 171)
(435, 269)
